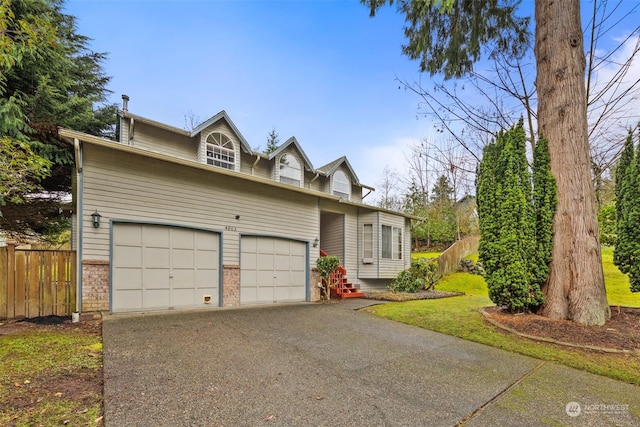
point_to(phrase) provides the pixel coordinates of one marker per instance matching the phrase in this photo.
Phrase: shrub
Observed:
(421, 275)
(327, 265)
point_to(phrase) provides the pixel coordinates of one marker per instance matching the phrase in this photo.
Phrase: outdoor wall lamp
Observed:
(95, 218)
(315, 242)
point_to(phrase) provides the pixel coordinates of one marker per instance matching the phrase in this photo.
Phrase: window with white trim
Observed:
(367, 243)
(341, 185)
(290, 170)
(221, 151)
(391, 242)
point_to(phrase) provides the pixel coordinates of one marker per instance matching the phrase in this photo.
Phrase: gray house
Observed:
(168, 218)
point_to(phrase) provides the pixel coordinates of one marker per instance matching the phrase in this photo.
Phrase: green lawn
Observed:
(427, 255)
(50, 378)
(461, 317)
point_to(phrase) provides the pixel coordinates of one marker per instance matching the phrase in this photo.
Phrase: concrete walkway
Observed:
(328, 365)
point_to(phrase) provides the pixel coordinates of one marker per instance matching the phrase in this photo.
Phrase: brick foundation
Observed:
(231, 286)
(95, 285)
(315, 290)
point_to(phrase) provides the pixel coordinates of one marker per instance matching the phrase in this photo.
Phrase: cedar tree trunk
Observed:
(575, 289)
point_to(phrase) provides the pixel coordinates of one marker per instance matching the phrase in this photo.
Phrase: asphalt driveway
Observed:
(329, 365)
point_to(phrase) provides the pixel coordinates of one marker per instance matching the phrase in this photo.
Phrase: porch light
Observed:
(315, 242)
(95, 218)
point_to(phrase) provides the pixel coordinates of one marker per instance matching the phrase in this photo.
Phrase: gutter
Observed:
(77, 146)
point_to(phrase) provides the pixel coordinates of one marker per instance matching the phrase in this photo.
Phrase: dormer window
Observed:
(341, 185)
(290, 170)
(221, 151)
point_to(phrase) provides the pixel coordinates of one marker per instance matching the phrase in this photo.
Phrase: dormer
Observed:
(221, 143)
(289, 162)
(342, 181)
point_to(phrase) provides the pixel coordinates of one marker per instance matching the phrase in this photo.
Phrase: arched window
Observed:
(220, 151)
(341, 185)
(290, 171)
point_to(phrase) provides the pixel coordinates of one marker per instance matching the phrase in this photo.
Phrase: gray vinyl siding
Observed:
(163, 141)
(351, 243)
(316, 184)
(332, 234)
(389, 268)
(124, 186)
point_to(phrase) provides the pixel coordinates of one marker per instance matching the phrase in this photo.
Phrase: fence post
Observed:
(4, 280)
(7, 274)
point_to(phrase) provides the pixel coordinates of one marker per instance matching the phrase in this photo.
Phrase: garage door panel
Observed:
(131, 235)
(155, 236)
(249, 261)
(129, 299)
(264, 245)
(206, 278)
(128, 256)
(206, 242)
(156, 278)
(128, 278)
(156, 298)
(283, 278)
(182, 238)
(297, 293)
(206, 258)
(265, 294)
(183, 297)
(183, 258)
(298, 263)
(282, 262)
(163, 267)
(156, 257)
(183, 279)
(298, 278)
(265, 262)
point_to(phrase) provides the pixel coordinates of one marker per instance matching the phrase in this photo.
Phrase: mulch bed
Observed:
(406, 296)
(621, 332)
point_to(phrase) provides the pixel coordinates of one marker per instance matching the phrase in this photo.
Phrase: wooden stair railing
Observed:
(342, 288)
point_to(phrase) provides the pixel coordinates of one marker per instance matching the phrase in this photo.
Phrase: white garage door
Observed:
(159, 267)
(272, 270)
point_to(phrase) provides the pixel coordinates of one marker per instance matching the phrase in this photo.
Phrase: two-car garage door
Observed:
(157, 267)
(161, 267)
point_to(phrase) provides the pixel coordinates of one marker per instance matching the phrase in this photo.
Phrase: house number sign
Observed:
(230, 228)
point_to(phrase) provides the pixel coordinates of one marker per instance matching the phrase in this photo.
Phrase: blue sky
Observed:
(322, 71)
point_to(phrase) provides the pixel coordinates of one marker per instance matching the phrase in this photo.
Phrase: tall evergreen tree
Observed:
(508, 243)
(448, 36)
(626, 254)
(55, 81)
(545, 201)
(272, 141)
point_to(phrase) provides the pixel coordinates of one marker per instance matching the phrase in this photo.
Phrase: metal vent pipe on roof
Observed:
(125, 102)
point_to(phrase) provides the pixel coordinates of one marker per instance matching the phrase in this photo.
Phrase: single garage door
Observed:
(272, 270)
(160, 267)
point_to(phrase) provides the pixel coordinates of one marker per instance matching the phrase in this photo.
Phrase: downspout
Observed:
(313, 179)
(131, 130)
(77, 146)
(358, 253)
(253, 166)
(378, 227)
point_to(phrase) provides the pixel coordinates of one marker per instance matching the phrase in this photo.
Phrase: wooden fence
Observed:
(35, 283)
(449, 260)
